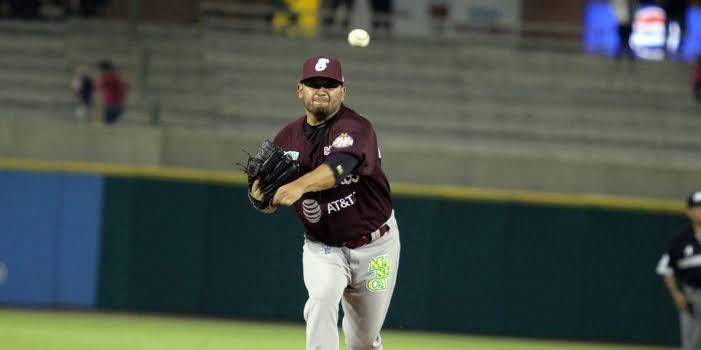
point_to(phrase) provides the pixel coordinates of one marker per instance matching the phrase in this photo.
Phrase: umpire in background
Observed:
(683, 261)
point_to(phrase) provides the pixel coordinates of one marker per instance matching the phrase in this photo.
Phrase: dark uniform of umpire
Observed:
(682, 262)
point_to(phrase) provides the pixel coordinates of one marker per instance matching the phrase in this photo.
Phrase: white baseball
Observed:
(358, 38)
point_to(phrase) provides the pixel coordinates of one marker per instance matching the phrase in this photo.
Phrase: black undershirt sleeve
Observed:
(341, 164)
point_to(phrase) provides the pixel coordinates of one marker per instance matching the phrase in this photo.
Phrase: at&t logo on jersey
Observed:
(311, 210)
(341, 203)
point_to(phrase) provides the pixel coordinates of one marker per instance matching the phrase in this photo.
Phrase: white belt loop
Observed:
(375, 235)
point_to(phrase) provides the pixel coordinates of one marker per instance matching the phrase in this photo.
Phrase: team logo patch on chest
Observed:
(342, 141)
(381, 267)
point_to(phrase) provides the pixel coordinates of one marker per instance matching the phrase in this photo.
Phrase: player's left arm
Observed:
(256, 194)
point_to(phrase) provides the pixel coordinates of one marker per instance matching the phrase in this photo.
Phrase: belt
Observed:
(367, 238)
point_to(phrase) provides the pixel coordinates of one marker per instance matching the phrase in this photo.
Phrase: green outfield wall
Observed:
(521, 265)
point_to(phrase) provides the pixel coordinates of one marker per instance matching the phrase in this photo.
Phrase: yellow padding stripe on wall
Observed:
(540, 198)
(122, 170)
(432, 191)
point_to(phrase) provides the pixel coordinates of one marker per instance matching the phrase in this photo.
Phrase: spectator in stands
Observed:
(114, 88)
(439, 11)
(625, 12)
(83, 86)
(676, 12)
(696, 79)
(328, 14)
(275, 8)
(381, 16)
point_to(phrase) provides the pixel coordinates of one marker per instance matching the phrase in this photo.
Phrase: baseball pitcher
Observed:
(327, 165)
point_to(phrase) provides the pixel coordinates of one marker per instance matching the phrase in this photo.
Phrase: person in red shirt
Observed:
(113, 87)
(696, 79)
(343, 199)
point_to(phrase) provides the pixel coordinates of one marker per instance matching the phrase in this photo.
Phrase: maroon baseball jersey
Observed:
(357, 205)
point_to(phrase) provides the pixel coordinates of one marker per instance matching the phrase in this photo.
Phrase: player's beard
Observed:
(320, 113)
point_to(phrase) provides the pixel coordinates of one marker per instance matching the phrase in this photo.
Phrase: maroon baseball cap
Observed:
(322, 66)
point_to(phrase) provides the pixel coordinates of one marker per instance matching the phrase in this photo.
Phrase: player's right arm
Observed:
(319, 179)
(677, 295)
(665, 270)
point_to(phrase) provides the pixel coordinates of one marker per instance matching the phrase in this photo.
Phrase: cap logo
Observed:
(321, 64)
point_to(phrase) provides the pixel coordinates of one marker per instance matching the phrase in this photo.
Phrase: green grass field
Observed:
(54, 330)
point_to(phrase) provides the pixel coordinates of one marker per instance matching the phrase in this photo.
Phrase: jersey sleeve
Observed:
(358, 138)
(664, 268)
(668, 261)
(342, 164)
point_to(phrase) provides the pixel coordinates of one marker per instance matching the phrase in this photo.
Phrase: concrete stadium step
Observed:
(504, 58)
(158, 29)
(353, 69)
(14, 77)
(204, 119)
(187, 101)
(526, 117)
(525, 130)
(612, 82)
(37, 111)
(395, 51)
(175, 49)
(420, 140)
(384, 83)
(284, 102)
(676, 74)
(32, 45)
(624, 117)
(386, 91)
(32, 27)
(174, 87)
(577, 100)
(25, 97)
(133, 61)
(21, 61)
(40, 107)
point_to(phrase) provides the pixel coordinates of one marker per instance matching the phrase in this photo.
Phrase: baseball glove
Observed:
(273, 168)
